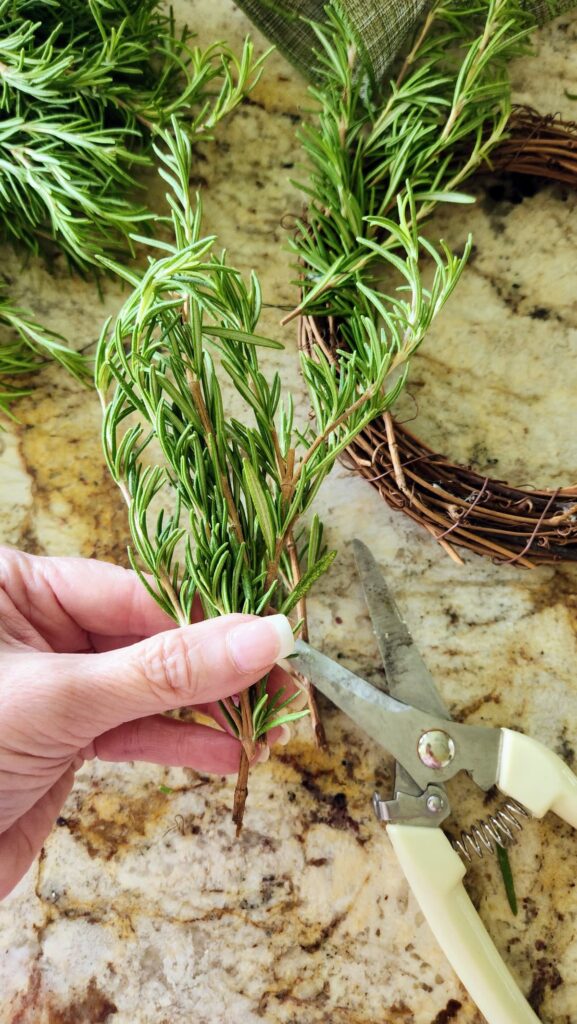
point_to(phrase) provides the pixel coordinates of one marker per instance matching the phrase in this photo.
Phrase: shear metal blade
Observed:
(398, 727)
(408, 678)
(406, 675)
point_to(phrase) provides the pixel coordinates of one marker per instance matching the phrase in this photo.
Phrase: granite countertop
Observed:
(143, 908)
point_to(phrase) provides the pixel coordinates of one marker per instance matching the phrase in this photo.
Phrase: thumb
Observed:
(189, 665)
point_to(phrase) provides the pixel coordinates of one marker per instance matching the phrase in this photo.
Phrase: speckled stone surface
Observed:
(143, 908)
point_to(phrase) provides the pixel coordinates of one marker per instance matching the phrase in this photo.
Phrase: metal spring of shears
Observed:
(498, 829)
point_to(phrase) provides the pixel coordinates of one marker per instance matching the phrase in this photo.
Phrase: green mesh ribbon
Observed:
(382, 27)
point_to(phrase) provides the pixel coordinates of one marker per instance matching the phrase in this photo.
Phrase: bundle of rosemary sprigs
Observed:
(215, 501)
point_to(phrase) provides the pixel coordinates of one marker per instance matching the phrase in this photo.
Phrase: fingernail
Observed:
(257, 645)
(284, 736)
(299, 702)
(263, 753)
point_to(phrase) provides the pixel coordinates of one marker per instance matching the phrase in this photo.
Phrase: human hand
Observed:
(88, 663)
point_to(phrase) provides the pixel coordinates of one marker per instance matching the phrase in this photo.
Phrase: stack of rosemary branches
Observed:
(84, 87)
(372, 144)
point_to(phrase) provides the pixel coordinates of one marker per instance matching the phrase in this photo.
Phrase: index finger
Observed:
(68, 599)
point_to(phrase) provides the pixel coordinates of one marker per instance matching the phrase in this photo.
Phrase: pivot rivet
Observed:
(434, 803)
(436, 749)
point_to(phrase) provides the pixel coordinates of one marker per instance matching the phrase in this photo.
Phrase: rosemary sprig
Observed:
(84, 88)
(24, 347)
(215, 501)
(428, 129)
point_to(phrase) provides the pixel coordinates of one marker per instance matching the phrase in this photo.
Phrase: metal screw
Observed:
(434, 803)
(436, 749)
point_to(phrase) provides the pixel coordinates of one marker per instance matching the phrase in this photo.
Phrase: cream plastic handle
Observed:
(536, 777)
(435, 874)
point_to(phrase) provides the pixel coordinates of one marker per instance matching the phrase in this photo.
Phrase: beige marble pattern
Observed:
(143, 908)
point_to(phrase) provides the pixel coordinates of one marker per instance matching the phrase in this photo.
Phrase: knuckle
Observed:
(182, 747)
(134, 741)
(170, 666)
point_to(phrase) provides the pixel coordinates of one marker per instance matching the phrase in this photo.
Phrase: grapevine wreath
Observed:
(458, 506)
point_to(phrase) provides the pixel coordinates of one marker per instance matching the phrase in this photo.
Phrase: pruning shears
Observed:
(410, 721)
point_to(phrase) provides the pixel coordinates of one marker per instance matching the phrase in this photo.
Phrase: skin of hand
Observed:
(88, 665)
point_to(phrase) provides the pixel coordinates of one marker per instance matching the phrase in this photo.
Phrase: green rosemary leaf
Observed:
(230, 720)
(506, 872)
(310, 577)
(444, 197)
(241, 336)
(266, 598)
(262, 505)
(258, 708)
(292, 716)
